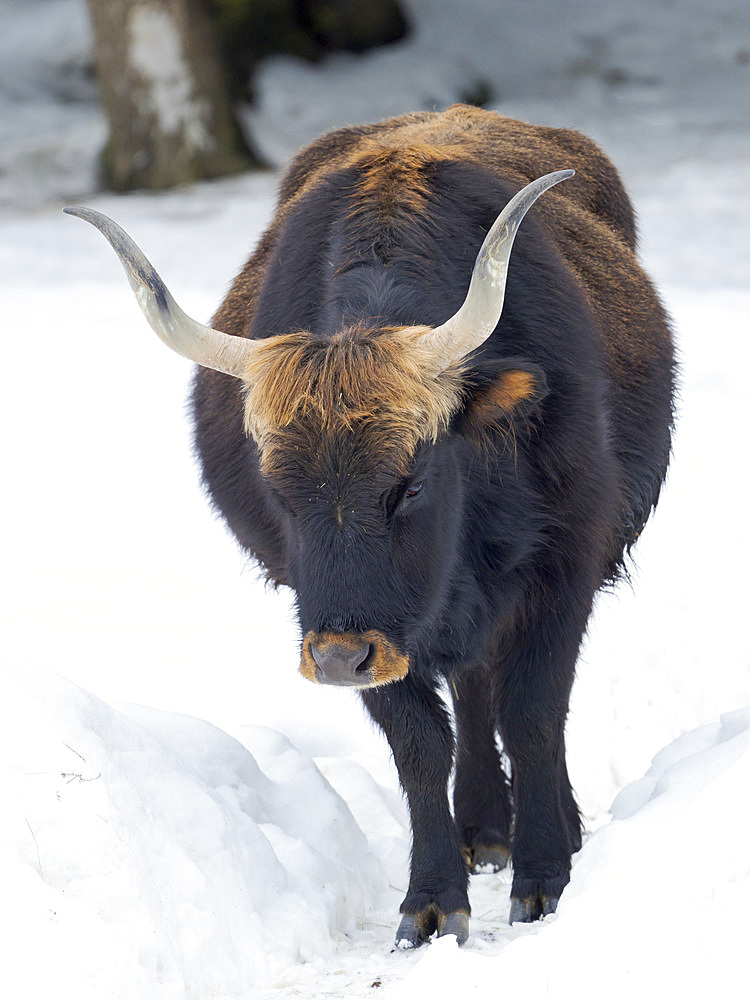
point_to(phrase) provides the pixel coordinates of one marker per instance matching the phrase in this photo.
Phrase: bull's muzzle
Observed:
(351, 659)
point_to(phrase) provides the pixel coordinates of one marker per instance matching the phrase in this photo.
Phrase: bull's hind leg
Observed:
(481, 796)
(419, 732)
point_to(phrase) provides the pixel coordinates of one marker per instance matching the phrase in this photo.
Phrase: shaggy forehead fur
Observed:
(381, 385)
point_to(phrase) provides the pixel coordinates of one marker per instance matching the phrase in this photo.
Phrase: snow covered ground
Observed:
(185, 817)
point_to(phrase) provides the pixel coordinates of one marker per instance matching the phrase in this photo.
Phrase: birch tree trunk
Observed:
(164, 94)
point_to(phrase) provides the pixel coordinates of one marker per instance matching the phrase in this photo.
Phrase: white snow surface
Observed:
(186, 817)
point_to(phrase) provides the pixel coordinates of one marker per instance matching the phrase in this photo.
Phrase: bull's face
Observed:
(353, 442)
(357, 437)
(369, 550)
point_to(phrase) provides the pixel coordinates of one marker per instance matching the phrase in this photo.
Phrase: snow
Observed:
(679, 879)
(137, 822)
(185, 816)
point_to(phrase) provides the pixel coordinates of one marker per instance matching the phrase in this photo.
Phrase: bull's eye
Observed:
(400, 497)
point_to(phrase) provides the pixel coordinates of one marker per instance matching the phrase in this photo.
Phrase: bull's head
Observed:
(350, 431)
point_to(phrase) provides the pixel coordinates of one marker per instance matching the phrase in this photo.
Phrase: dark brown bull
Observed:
(444, 489)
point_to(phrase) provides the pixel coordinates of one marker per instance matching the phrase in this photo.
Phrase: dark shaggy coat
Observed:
(459, 524)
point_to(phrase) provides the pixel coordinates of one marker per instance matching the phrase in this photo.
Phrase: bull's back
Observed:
(588, 222)
(514, 151)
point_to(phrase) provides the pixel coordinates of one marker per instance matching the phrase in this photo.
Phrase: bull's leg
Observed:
(419, 732)
(570, 809)
(481, 796)
(532, 691)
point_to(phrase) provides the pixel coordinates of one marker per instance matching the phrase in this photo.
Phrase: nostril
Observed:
(363, 667)
(318, 655)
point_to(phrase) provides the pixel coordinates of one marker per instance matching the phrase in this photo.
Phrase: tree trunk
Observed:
(164, 94)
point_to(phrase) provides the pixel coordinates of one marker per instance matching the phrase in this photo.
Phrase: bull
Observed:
(444, 488)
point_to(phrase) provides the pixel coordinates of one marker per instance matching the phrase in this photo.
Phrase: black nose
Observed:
(342, 663)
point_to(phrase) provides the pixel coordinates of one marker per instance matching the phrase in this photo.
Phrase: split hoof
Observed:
(525, 911)
(415, 929)
(409, 934)
(456, 923)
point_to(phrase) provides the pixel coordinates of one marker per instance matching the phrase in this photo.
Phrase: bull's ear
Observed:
(500, 392)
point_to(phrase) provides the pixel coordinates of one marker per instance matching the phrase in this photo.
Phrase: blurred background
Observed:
(150, 93)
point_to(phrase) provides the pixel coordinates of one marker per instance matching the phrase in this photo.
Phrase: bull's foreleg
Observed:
(481, 797)
(531, 701)
(418, 729)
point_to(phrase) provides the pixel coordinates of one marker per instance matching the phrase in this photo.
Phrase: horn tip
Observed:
(87, 214)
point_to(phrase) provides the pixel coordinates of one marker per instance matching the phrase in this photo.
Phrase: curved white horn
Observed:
(207, 347)
(483, 305)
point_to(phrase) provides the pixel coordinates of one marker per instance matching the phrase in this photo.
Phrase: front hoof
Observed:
(532, 898)
(456, 923)
(524, 911)
(416, 928)
(410, 933)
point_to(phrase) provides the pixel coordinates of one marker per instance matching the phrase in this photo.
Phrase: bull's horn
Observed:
(480, 312)
(207, 347)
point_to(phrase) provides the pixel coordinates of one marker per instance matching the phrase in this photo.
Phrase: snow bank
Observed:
(151, 855)
(657, 905)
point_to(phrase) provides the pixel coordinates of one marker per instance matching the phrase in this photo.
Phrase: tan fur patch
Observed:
(510, 389)
(377, 383)
(395, 177)
(394, 184)
(386, 665)
(393, 180)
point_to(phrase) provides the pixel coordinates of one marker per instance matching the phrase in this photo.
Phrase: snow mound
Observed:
(152, 855)
(658, 898)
